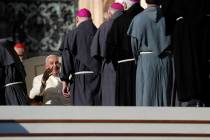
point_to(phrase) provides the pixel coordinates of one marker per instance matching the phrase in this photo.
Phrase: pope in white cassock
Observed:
(49, 84)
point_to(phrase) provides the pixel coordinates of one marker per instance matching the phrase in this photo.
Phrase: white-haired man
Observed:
(49, 84)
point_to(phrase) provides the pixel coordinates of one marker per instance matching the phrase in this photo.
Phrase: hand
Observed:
(46, 75)
(38, 100)
(66, 90)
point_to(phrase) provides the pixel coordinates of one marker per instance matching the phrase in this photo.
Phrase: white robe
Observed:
(52, 93)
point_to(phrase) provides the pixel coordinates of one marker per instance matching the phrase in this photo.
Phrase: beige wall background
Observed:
(99, 8)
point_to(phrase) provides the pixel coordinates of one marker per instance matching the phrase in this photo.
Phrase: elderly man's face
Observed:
(53, 63)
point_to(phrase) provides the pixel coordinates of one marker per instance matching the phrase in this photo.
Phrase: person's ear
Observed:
(109, 13)
(124, 5)
(77, 19)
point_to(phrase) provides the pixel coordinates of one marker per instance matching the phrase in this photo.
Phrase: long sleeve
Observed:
(37, 88)
(135, 41)
(67, 66)
(112, 42)
(95, 46)
(134, 45)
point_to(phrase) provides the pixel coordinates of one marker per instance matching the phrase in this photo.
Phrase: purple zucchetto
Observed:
(117, 6)
(83, 13)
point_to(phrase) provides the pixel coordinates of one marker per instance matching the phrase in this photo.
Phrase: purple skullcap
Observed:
(83, 13)
(135, 0)
(117, 6)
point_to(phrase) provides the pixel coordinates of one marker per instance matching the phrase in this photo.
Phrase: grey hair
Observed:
(113, 10)
(51, 55)
(129, 3)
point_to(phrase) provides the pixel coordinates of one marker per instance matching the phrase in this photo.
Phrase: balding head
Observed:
(52, 62)
(20, 49)
(128, 3)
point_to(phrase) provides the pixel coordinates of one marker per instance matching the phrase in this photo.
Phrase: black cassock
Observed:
(76, 61)
(191, 48)
(118, 50)
(108, 73)
(12, 77)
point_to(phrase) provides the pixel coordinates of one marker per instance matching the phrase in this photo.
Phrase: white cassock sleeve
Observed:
(36, 87)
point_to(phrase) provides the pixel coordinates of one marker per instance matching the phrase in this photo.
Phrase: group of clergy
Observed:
(158, 56)
(102, 62)
(130, 60)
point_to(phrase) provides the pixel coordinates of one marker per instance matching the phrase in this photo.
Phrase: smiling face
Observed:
(52, 62)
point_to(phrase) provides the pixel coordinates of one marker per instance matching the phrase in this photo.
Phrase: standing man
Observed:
(154, 61)
(77, 62)
(191, 45)
(20, 49)
(120, 53)
(98, 48)
(12, 74)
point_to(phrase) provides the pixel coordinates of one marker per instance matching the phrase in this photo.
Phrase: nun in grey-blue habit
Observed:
(150, 46)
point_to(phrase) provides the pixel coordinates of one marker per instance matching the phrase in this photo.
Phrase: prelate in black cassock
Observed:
(108, 73)
(119, 48)
(12, 77)
(76, 58)
(191, 48)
